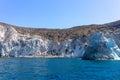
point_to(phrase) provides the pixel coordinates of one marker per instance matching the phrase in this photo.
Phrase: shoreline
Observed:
(50, 56)
(40, 57)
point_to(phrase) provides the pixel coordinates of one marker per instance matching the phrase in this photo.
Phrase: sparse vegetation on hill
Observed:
(16, 41)
(62, 34)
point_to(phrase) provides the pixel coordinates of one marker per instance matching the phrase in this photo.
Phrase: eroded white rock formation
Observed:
(95, 46)
(100, 47)
(14, 44)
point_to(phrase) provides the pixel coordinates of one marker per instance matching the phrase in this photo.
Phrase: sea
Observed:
(58, 69)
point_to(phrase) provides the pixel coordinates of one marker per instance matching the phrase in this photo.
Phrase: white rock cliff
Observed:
(14, 44)
(95, 46)
(100, 47)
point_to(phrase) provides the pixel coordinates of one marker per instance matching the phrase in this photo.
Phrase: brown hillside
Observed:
(62, 34)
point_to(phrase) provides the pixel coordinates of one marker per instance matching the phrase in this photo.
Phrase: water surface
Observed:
(58, 69)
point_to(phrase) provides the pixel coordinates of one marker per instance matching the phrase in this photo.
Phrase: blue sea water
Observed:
(58, 69)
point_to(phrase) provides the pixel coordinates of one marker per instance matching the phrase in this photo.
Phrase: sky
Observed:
(58, 13)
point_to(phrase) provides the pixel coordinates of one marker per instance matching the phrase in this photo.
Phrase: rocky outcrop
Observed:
(14, 44)
(87, 42)
(100, 47)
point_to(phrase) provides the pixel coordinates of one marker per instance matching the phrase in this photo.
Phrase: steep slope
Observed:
(18, 41)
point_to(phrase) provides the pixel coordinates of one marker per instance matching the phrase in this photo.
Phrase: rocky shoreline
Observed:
(86, 42)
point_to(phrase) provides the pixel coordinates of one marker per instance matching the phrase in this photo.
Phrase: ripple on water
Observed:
(58, 69)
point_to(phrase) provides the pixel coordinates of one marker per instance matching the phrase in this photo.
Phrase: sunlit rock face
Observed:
(83, 42)
(100, 47)
(72, 48)
(14, 44)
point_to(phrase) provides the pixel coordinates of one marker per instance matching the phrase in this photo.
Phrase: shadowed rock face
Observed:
(100, 47)
(72, 42)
